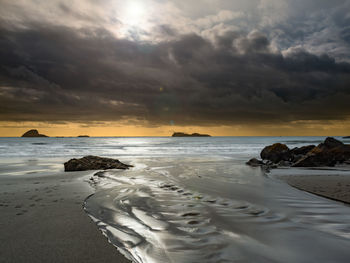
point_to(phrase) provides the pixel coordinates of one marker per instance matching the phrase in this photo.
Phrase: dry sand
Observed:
(332, 186)
(42, 220)
(330, 183)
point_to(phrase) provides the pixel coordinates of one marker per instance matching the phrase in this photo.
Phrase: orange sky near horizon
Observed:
(114, 129)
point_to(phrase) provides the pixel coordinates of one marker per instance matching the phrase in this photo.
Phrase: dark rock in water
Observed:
(266, 166)
(33, 133)
(299, 152)
(100, 174)
(331, 143)
(281, 154)
(83, 136)
(255, 162)
(328, 153)
(276, 153)
(302, 150)
(94, 163)
(284, 163)
(346, 137)
(181, 134)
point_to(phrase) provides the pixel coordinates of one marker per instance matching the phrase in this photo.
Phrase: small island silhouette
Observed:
(33, 133)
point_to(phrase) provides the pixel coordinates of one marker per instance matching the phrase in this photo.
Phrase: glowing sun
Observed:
(134, 12)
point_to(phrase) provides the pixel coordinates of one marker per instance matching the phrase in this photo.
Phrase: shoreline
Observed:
(332, 184)
(43, 220)
(319, 194)
(335, 188)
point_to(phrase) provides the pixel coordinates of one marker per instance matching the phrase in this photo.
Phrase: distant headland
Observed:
(182, 134)
(33, 133)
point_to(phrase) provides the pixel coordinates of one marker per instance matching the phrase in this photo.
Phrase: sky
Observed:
(152, 67)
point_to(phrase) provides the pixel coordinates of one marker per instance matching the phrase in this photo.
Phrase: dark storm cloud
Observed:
(57, 73)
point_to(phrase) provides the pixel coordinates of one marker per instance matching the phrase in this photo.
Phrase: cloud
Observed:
(228, 64)
(57, 73)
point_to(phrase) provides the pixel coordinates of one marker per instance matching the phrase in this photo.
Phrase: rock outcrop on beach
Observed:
(302, 150)
(94, 163)
(276, 153)
(181, 134)
(33, 133)
(328, 153)
(255, 162)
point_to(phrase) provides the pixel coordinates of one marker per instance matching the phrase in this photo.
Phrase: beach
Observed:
(184, 200)
(171, 131)
(42, 220)
(328, 183)
(333, 187)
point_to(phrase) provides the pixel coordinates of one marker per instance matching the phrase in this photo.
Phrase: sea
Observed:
(193, 199)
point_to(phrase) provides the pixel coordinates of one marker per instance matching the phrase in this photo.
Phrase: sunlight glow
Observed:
(134, 13)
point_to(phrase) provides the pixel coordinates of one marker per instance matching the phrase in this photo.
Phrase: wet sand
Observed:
(42, 220)
(330, 183)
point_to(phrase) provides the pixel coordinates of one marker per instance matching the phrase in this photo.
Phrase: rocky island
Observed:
(83, 136)
(33, 133)
(182, 134)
